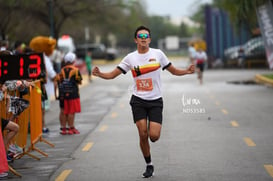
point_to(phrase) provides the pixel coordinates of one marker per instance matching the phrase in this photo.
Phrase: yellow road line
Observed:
(269, 169)
(103, 128)
(249, 142)
(224, 111)
(234, 124)
(88, 146)
(114, 115)
(63, 175)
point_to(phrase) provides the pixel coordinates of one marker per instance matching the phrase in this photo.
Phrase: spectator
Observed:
(46, 45)
(4, 45)
(192, 52)
(69, 97)
(15, 106)
(3, 160)
(88, 62)
(19, 47)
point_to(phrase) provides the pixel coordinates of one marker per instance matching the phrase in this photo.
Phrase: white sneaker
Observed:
(3, 174)
(15, 149)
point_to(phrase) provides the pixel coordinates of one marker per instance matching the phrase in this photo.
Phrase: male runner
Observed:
(146, 102)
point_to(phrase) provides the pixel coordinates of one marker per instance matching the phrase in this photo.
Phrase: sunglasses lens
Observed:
(143, 35)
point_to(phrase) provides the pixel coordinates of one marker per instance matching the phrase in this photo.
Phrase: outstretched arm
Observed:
(106, 75)
(177, 71)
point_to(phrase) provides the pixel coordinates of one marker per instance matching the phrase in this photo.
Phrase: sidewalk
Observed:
(262, 79)
(65, 145)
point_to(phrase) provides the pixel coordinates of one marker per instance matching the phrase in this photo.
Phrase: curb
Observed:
(262, 79)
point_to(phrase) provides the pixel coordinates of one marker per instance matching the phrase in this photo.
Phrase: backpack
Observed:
(68, 88)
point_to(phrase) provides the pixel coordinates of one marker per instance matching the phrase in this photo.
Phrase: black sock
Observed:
(148, 159)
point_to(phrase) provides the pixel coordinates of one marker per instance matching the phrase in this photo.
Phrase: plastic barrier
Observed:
(36, 119)
(33, 116)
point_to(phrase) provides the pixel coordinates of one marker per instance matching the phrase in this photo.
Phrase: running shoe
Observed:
(63, 131)
(45, 130)
(10, 156)
(75, 131)
(149, 171)
(15, 149)
(69, 131)
(3, 175)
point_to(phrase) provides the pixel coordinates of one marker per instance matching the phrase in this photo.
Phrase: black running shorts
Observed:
(147, 109)
(5, 122)
(200, 66)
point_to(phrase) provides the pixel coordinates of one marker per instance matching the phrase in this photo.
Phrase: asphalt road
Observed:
(218, 131)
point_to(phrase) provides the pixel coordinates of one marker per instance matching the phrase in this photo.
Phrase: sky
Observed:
(176, 9)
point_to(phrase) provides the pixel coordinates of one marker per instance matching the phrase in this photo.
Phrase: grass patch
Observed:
(270, 76)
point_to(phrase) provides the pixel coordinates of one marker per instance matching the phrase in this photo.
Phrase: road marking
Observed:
(211, 96)
(224, 111)
(63, 175)
(103, 128)
(269, 169)
(234, 124)
(249, 142)
(88, 146)
(114, 115)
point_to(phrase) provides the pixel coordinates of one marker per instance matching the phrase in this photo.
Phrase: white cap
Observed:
(69, 57)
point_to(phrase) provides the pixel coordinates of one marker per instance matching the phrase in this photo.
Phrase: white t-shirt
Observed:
(201, 56)
(145, 69)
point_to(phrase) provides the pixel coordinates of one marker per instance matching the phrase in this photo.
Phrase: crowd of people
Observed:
(63, 79)
(60, 73)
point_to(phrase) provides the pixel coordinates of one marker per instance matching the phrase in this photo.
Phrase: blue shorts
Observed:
(147, 109)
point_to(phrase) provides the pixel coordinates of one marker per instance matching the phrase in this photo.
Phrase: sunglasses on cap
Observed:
(143, 35)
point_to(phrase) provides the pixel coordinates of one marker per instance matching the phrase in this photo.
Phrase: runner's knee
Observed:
(15, 128)
(143, 135)
(154, 137)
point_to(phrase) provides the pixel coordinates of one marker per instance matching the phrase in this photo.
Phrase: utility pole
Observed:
(51, 19)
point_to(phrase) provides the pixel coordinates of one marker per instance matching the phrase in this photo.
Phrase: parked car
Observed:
(255, 49)
(99, 51)
(232, 52)
(252, 50)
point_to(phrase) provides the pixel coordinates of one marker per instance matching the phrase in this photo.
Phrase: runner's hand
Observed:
(96, 71)
(191, 69)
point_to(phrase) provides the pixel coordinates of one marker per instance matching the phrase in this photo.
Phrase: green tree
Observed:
(8, 16)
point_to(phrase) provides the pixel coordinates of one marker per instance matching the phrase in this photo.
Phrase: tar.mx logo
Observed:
(191, 105)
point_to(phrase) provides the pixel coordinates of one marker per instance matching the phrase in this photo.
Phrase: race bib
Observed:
(144, 84)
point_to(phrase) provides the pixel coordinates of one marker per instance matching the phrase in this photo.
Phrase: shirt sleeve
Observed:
(164, 61)
(124, 65)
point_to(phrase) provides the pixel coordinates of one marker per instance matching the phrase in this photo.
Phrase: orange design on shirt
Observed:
(144, 69)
